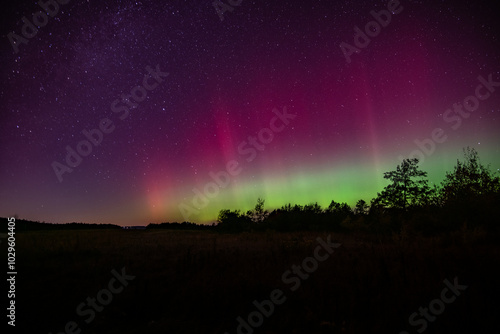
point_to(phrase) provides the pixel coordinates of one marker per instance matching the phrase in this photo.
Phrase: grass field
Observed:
(202, 281)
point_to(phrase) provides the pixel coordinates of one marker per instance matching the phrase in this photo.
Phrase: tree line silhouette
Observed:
(468, 197)
(29, 225)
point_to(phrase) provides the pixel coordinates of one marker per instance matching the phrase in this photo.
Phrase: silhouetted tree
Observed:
(361, 207)
(232, 221)
(336, 213)
(404, 191)
(258, 214)
(313, 208)
(471, 193)
(469, 180)
(433, 197)
(339, 208)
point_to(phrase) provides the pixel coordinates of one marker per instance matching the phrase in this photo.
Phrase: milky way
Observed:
(131, 112)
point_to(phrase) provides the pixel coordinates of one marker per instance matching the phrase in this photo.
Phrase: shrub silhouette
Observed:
(470, 194)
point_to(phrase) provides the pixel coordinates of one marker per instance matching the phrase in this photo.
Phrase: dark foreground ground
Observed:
(201, 282)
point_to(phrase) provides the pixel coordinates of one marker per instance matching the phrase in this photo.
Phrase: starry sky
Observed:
(132, 112)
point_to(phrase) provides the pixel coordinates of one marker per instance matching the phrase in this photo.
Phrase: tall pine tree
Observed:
(408, 188)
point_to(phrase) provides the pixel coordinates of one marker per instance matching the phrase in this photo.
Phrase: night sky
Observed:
(162, 97)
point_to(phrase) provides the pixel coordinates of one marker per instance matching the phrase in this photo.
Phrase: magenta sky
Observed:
(352, 120)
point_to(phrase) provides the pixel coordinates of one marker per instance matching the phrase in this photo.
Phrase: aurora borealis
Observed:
(228, 84)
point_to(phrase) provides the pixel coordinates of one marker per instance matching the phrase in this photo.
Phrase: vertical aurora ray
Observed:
(353, 121)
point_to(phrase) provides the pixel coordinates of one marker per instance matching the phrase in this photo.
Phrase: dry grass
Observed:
(199, 282)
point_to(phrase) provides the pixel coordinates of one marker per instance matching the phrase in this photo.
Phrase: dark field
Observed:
(200, 282)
